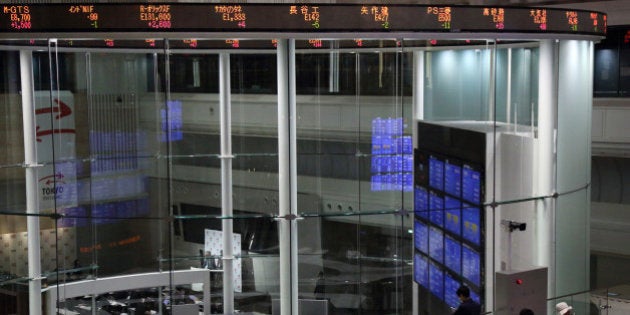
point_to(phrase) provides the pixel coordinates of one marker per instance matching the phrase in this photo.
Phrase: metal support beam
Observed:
(287, 176)
(32, 204)
(226, 183)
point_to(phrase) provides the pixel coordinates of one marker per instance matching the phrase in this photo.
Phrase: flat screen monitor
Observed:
(450, 291)
(452, 178)
(421, 270)
(377, 143)
(475, 296)
(471, 218)
(421, 237)
(406, 144)
(436, 244)
(421, 202)
(471, 184)
(387, 146)
(436, 208)
(408, 163)
(436, 172)
(436, 280)
(172, 121)
(453, 255)
(471, 265)
(453, 215)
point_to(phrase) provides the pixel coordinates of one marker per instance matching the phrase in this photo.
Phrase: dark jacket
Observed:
(468, 307)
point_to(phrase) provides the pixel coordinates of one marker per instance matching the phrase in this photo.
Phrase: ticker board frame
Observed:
(216, 20)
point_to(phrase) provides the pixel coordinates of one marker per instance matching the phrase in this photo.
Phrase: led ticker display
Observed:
(213, 17)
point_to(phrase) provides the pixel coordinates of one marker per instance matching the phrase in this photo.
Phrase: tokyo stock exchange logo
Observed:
(52, 186)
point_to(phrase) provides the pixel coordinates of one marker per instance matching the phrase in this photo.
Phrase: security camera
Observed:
(518, 225)
(513, 225)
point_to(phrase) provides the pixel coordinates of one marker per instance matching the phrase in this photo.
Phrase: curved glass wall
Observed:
(419, 166)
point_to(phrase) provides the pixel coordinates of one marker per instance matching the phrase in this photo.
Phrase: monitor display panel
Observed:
(421, 237)
(475, 296)
(471, 265)
(471, 184)
(436, 280)
(421, 202)
(436, 172)
(450, 291)
(453, 255)
(421, 270)
(453, 215)
(436, 244)
(452, 178)
(471, 218)
(436, 208)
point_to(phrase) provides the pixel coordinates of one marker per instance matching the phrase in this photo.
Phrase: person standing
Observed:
(467, 306)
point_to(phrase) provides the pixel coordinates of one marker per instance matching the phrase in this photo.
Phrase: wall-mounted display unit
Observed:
(448, 198)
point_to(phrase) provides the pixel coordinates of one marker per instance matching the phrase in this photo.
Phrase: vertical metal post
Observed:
(547, 104)
(287, 177)
(226, 182)
(508, 101)
(417, 114)
(32, 204)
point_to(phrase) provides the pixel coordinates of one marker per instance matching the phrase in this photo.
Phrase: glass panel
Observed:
(573, 163)
(109, 138)
(457, 81)
(354, 157)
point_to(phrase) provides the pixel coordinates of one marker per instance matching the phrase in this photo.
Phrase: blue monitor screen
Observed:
(452, 179)
(436, 208)
(377, 143)
(472, 224)
(436, 244)
(436, 173)
(406, 144)
(421, 270)
(436, 280)
(172, 122)
(471, 185)
(387, 145)
(421, 202)
(421, 237)
(475, 296)
(453, 255)
(452, 209)
(450, 288)
(471, 265)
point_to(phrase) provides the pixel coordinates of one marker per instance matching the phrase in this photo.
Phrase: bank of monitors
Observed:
(392, 156)
(448, 226)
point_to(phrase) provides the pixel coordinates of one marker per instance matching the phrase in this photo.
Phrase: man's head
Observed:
(526, 311)
(463, 293)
